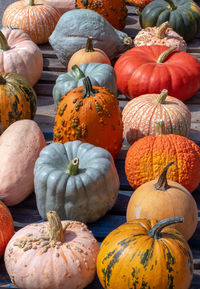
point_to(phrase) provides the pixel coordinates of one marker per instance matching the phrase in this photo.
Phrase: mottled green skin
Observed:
(183, 16)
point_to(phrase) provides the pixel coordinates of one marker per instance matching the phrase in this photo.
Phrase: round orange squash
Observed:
(145, 254)
(114, 11)
(139, 114)
(88, 55)
(6, 227)
(35, 18)
(90, 114)
(160, 199)
(148, 156)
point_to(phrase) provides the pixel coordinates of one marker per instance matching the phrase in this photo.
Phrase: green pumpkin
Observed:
(100, 75)
(183, 16)
(77, 180)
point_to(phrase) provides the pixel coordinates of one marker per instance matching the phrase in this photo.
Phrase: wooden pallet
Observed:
(26, 212)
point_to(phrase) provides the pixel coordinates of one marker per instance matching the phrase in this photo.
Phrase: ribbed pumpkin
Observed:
(145, 254)
(114, 11)
(138, 3)
(6, 227)
(139, 114)
(35, 18)
(161, 35)
(160, 199)
(148, 156)
(139, 72)
(88, 54)
(19, 54)
(18, 99)
(90, 114)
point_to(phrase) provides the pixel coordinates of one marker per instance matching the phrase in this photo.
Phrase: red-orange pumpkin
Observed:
(149, 69)
(35, 18)
(6, 227)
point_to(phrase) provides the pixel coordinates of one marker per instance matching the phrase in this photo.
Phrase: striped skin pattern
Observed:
(18, 100)
(38, 20)
(130, 259)
(140, 113)
(148, 156)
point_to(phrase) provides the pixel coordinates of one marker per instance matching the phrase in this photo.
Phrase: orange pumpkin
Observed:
(88, 55)
(148, 156)
(114, 11)
(138, 3)
(160, 199)
(144, 254)
(35, 18)
(90, 114)
(6, 227)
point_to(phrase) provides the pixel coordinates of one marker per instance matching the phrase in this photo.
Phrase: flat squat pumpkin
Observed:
(77, 180)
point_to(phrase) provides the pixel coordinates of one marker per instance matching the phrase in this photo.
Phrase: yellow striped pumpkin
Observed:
(140, 113)
(32, 16)
(18, 99)
(144, 254)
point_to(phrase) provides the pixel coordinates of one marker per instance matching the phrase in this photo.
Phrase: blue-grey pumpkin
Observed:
(77, 180)
(75, 26)
(100, 75)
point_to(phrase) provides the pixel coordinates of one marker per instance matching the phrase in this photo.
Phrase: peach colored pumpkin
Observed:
(61, 5)
(19, 54)
(20, 145)
(35, 18)
(52, 255)
(161, 199)
(88, 54)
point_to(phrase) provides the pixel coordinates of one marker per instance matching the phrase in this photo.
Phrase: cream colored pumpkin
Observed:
(52, 255)
(19, 54)
(20, 145)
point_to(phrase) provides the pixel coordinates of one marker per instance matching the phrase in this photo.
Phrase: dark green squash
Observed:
(183, 16)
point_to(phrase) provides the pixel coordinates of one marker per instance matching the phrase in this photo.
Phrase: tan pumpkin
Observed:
(160, 199)
(161, 35)
(52, 255)
(144, 254)
(88, 54)
(140, 113)
(19, 54)
(35, 18)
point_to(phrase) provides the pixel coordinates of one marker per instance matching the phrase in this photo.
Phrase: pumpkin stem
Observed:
(155, 231)
(164, 55)
(3, 42)
(78, 72)
(159, 127)
(127, 40)
(162, 96)
(55, 227)
(31, 2)
(89, 45)
(162, 30)
(2, 80)
(171, 3)
(72, 168)
(88, 91)
(162, 184)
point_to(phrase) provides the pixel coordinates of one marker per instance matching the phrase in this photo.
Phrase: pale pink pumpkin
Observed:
(140, 114)
(52, 255)
(61, 5)
(35, 18)
(19, 54)
(161, 35)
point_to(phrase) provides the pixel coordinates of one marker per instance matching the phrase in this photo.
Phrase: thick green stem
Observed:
(164, 55)
(88, 91)
(72, 168)
(3, 42)
(171, 4)
(78, 72)
(162, 96)
(162, 184)
(2, 80)
(161, 32)
(55, 227)
(89, 45)
(155, 231)
(159, 127)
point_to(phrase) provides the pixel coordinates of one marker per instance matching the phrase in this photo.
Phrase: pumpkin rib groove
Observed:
(175, 155)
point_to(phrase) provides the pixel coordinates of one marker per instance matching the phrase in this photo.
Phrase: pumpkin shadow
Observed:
(130, 20)
(69, 235)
